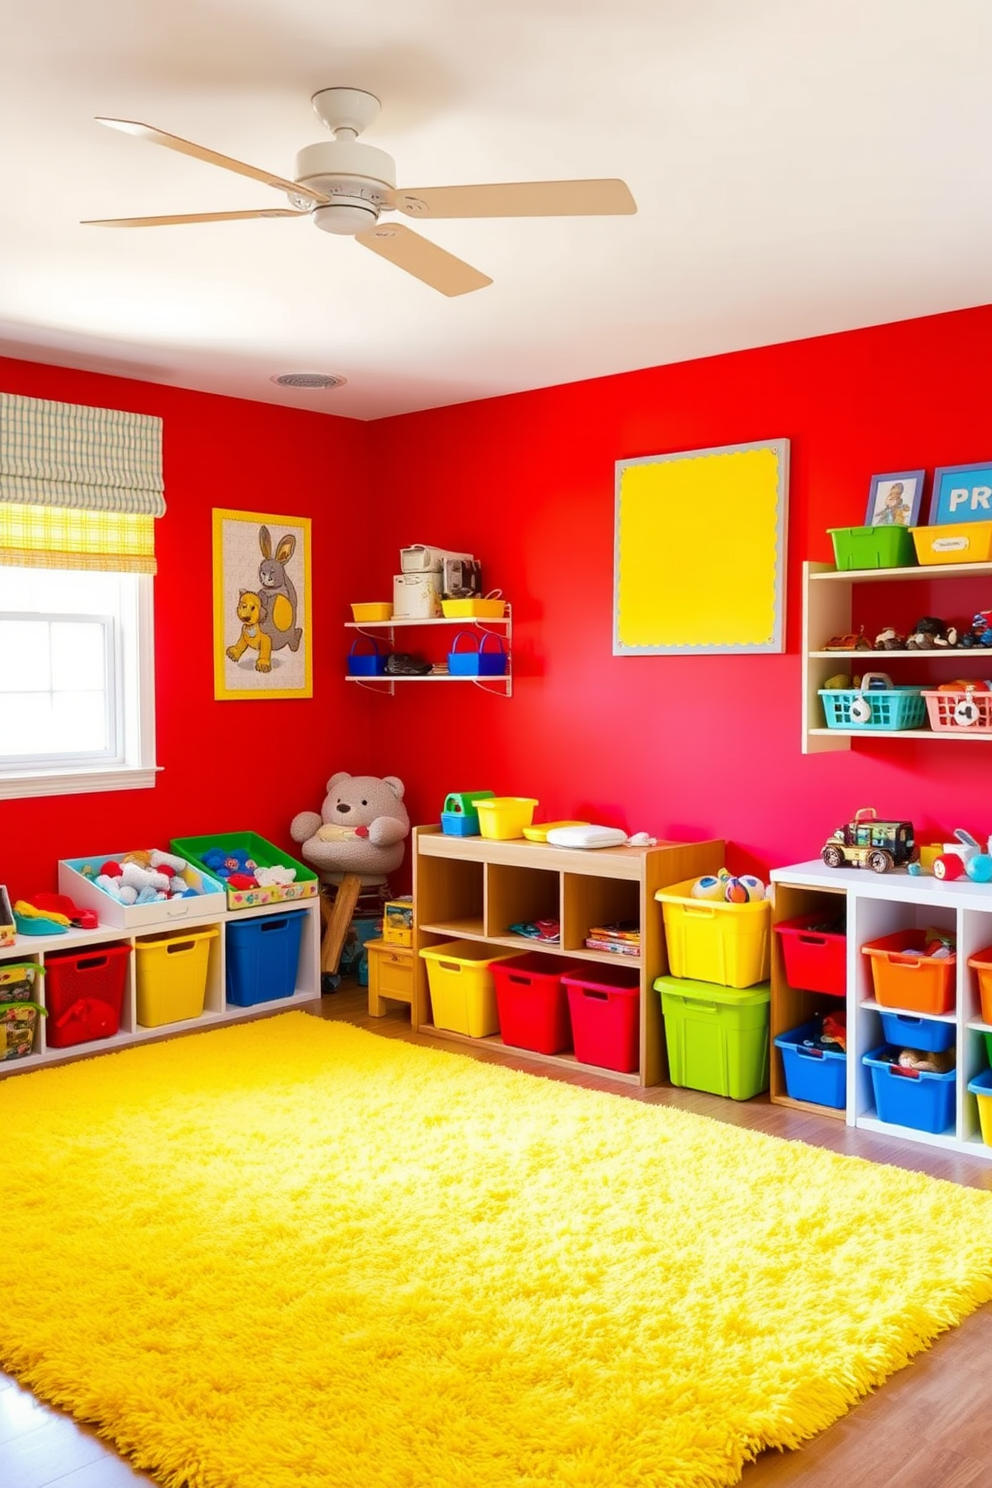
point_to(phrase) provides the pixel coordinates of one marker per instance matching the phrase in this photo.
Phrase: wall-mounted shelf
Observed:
(828, 602)
(501, 686)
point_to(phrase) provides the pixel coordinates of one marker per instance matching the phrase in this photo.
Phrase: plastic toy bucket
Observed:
(368, 663)
(504, 817)
(480, 660)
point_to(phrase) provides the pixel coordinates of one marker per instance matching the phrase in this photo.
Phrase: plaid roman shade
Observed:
(80, 487)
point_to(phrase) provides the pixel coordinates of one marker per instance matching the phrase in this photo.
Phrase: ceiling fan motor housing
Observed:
(358, 178)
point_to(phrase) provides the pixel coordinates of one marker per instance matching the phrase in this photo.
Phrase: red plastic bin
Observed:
(905, 977)
(84, 992)
(605, 1010)
(533, 1002)
(815, 959)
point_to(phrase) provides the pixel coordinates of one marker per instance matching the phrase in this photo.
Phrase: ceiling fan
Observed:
(345, 186)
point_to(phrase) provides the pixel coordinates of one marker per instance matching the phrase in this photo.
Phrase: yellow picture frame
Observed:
(263, 645)
(700, 551)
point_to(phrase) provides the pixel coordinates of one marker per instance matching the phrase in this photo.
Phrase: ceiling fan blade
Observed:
(425, 260)
(520, 199)
(186, 147)
(189, 217)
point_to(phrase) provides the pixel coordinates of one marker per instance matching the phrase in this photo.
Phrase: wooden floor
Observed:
(930, 1426)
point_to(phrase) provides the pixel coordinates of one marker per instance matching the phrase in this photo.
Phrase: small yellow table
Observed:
(390, 975)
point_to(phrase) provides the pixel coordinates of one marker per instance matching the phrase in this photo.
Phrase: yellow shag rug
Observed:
(292, 1254)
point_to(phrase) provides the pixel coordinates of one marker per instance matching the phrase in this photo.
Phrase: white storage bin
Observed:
(210, 897)
(416, 596)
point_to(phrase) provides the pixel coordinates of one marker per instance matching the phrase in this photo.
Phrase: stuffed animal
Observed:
(934, 1062)
(890, 639)
(361, 828)
(931, 634)
(980, 633)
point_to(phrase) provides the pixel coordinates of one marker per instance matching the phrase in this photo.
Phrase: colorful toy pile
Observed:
(144, 876)
(236, 867)
(741, 888)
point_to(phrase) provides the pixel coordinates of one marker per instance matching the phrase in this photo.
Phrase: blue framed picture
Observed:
(961, 493)
(894, 500)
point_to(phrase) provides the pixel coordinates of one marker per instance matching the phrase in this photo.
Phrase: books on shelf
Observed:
(622, 938)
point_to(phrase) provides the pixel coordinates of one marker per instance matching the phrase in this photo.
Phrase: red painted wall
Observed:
(677, 746)
(226, 766)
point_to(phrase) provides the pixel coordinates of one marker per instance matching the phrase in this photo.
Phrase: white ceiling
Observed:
(800, 167)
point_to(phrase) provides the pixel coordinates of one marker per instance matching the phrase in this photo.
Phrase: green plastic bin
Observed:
(305, 884)
(717, 1037)
(873, 547)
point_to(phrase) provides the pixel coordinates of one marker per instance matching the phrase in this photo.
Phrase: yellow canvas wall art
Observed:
(700, 551)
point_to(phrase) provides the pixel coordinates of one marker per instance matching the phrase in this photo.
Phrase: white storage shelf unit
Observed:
(216, 1008)
(881, 904)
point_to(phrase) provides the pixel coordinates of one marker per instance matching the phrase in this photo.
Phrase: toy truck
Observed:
(866, 842)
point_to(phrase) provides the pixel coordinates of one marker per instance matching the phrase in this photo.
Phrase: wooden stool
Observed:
(390, 975)
(335, 917)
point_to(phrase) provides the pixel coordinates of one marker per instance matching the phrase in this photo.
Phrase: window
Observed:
(80, 491)
(76, 681)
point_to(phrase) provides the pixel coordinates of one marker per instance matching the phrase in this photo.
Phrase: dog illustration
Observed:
(251, 613)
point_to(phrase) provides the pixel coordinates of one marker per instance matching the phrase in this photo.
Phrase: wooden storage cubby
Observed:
(516, 895)
(474, 888)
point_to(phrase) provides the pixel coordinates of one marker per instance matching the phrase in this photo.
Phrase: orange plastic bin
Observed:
(904, 977)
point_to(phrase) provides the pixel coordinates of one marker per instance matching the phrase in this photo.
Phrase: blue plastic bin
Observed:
(907, 1097)
(262, 957)
(908, 1032)
(818, 1075)
(891, 708)
(453, 825)
(481, 660)
(368, 663)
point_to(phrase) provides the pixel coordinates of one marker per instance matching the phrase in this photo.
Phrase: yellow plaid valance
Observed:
(80, 487)
(61, 537)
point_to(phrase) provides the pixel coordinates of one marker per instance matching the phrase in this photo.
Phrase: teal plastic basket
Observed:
(891, 708)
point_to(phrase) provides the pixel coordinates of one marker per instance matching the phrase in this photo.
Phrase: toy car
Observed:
(866, 842)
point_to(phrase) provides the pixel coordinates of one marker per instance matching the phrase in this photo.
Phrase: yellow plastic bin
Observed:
(729, 944)
(171, 976)
(504, 817)
(463, 993)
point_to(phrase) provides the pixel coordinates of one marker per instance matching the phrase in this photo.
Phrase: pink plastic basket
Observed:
(966, 712)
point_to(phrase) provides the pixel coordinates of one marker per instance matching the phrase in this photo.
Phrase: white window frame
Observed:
(135, 684)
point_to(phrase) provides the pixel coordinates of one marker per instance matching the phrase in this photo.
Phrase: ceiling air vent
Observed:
(307, 380)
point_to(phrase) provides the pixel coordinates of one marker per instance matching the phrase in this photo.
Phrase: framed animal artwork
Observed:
(262, 625)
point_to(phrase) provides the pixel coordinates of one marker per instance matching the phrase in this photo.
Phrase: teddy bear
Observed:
(361, 828)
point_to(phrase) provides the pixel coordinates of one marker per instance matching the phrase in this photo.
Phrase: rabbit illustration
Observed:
(278, 593)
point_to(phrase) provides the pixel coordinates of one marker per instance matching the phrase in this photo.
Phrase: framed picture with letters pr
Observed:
(961, 493)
